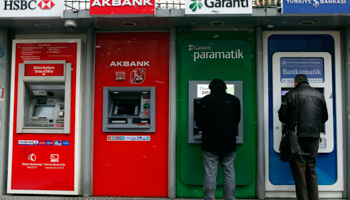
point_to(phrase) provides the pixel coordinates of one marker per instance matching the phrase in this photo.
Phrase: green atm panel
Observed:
(203, 56)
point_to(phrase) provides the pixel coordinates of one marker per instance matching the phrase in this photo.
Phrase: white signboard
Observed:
(215, 7)
(203, 90)
(31, 8)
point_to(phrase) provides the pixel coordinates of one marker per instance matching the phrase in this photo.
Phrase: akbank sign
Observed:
(217, 7)
(31, 8)
(122, 7)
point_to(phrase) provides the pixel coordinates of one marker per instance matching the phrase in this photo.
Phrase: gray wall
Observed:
(5, 69)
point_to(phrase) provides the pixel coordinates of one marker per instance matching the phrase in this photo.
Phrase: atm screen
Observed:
(284, 92)
(44, 111)
(126, 107)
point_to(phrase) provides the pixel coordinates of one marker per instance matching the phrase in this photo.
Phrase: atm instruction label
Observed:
(128, 138)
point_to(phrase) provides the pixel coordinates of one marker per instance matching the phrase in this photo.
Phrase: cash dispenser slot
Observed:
(129, 109)
(44, 101)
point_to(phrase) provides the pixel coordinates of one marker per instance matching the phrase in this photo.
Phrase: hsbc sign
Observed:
(31, 8)
(122, 7)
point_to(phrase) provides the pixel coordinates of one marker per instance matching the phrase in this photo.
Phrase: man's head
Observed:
(299, 78)
(217, 83)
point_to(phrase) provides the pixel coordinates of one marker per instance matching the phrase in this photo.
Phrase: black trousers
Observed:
(303, 170)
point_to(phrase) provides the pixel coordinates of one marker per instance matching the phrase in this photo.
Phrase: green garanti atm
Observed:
(203, 56)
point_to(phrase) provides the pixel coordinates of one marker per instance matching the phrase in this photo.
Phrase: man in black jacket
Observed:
(218, 115)
(312, 113)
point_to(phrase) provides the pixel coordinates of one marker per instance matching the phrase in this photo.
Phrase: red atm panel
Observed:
(43, 162)
(132, 163)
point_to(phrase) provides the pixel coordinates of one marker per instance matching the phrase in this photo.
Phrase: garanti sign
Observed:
(31, 8)
(122, 7)
(215, 7)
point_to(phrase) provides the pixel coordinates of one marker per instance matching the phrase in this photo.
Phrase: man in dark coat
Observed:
(218, 115)
(312, 113)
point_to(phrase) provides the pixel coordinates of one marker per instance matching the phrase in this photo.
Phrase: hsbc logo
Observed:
(46, 4)
(28, 4)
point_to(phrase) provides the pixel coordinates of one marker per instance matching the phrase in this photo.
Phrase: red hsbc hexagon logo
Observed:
(46, 4)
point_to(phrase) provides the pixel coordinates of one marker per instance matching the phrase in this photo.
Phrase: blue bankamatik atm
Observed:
(319, 68)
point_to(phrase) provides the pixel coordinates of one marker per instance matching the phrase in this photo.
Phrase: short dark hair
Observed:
(300, 78)
(217, 83)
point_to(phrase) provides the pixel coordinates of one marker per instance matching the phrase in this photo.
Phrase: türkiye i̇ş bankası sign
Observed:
(216, 7)
(122, 7)
(315, 6)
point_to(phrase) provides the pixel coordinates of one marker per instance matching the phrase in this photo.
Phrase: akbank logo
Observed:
(46, 4)
(190, 47)
(196, 4)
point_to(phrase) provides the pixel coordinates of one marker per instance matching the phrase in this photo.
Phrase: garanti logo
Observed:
(196, 4)
(190, 47)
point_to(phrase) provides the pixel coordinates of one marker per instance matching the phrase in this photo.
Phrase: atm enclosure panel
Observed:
(34, 91)
(325, 87)
(194, 134)
(129, 109)
(279, 182)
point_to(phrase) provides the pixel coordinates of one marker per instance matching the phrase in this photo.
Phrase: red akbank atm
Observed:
(131, 115)
(45, 119)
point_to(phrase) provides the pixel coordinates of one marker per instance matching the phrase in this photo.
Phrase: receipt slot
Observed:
(44, 90)
(199, 89)
(129, 109)
(317, 67)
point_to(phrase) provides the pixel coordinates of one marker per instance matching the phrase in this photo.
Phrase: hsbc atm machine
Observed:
(42, 152)
(44, 101)
(199, 89)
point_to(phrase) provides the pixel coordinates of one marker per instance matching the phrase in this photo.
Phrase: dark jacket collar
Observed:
(303, 84)
(217, 90)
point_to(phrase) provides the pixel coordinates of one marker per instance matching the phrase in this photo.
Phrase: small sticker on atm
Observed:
(36, 142)
(65, 143)
(21, 142)
(58, 143)
(29, 142)
(49, 142)
(42, 142)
